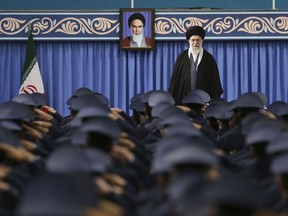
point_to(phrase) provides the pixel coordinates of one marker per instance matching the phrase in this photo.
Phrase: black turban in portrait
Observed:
(136, 16)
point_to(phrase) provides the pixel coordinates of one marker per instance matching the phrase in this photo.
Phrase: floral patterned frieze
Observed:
(61, 26)
(68, 26)
(168, 25)
(226, 26)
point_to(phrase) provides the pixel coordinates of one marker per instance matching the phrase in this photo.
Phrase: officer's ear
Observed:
(281, 186)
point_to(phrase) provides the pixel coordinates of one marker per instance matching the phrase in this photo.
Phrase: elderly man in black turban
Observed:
(195, 68)
(136, 23)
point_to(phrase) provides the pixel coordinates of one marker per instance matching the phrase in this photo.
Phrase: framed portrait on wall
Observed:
(137, 29)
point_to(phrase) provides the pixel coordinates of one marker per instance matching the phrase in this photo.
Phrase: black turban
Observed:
(136, 16)
(195, 30)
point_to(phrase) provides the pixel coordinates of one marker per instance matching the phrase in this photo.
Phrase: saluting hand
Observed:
(32, 131)
(42, 115)
(122, 153)
(17, 154)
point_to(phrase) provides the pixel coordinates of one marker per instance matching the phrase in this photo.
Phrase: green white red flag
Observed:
(31, 77)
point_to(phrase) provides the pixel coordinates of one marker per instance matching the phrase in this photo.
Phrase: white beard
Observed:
(137, 38)
(196, 50)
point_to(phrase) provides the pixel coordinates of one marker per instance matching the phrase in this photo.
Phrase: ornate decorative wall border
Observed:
(219, 25)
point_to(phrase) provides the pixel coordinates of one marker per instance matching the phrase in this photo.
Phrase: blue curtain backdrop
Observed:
(65, 66)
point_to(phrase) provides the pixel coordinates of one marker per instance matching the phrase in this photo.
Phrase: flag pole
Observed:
(29, 27)
(273, 4)
(132, 3)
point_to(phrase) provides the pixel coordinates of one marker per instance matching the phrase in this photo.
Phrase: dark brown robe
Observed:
(126, 42)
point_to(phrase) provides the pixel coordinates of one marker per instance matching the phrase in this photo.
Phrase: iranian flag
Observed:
(31, 77)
